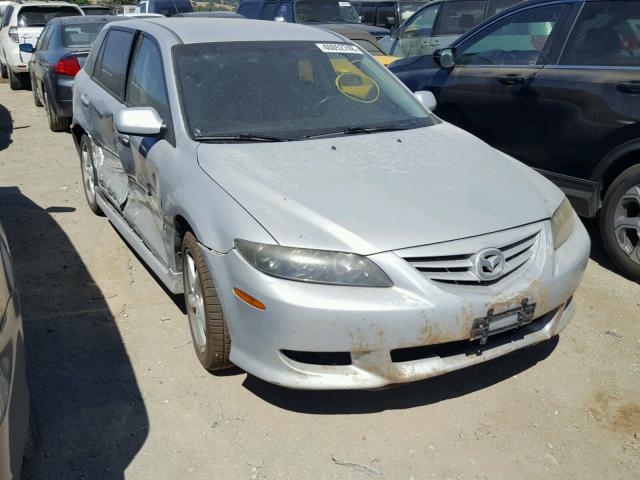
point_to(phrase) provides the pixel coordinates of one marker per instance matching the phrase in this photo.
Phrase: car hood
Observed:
(377, 192)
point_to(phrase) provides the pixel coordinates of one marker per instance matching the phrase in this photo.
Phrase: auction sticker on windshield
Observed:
(338, 48)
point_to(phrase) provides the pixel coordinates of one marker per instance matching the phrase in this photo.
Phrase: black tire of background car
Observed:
(85, 142)
(56, 123)
(36, 100)
(218, 346)
(3, 71)
(15, 80)
(616, 190)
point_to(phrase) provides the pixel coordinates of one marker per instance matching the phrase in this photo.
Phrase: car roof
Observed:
(201, 30)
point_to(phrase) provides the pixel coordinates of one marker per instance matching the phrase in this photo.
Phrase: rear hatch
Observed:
(32, 19)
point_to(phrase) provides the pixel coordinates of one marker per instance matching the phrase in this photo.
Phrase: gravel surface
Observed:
(119, 392)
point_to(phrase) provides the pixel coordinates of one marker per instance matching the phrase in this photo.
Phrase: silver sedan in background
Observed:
(326, 229)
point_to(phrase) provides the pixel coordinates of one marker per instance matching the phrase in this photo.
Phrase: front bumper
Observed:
(372, 331)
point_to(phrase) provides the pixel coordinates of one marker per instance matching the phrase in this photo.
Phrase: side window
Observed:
(368, 14)
(95, 52)
(112, 68)
(268, 11)
(43, 41)
(284, 11)
(248, 9)
(422, 24)
(606, 34)
(146, 85)
(7, 16)
(518, 39)
(497, 6)
(384, 13)
(457, 18)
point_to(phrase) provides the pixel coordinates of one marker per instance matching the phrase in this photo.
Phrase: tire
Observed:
(15, 80)
(211, 340)
(56, 123)
(3, 71)
(620, 222)
(89, 176)
(34, 90)
(32, 443)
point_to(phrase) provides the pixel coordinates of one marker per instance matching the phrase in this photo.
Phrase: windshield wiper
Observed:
(243, 137)
(381, 128)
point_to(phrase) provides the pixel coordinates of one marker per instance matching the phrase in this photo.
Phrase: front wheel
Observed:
(211, 340)
(620, 222)
(89, 177)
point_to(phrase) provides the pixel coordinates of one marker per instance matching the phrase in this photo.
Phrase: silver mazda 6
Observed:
(326, 229)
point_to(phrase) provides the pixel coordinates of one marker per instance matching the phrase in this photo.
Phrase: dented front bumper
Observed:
(333, 337)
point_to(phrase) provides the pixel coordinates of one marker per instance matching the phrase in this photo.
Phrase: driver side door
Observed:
(415, 36)
(486, 90)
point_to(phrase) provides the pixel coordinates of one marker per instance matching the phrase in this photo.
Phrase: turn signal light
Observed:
(13, 34)
(68, 66)
(245, 297)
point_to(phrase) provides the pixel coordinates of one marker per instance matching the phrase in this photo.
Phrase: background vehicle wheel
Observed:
(56, 123)
(15, 80)
(32, 444)
(3, 70)
(36, 100)
(89, 177)
(620, 222)
(209, 331)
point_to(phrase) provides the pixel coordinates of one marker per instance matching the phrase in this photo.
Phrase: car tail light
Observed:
(68, 66)
(13, 34)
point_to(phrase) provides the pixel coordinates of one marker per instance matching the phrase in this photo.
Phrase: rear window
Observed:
(457, 18)
(80, 35)
(97, 11)
(113, 65)
(39, 16)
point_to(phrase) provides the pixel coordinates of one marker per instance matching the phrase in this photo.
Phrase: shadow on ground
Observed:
(426, 392)
(90, 411)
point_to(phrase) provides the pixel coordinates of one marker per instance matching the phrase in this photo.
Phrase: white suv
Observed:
(23, 22)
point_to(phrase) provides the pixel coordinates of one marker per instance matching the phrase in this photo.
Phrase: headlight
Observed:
(314, 266)
(562, 223)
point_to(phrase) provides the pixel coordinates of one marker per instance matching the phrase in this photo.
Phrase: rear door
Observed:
(485, 92)
(39, 59)
(146, 87)
(590, 91)
(102, 97)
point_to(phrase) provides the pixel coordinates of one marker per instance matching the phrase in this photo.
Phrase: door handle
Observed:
(123, 139)
(510, 80)
(84, 100)
(631, 88)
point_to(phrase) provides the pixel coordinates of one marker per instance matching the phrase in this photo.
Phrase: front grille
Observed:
(459, 269)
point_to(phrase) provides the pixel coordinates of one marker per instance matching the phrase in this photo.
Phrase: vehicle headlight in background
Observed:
(313, 266)
(562, 223)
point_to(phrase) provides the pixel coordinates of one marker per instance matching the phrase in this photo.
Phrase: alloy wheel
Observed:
(627, 223)
(87, 173)
(195, 302)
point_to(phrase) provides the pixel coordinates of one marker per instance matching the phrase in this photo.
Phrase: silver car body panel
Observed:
(394, 196)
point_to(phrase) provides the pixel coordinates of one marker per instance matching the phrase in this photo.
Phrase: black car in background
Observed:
(555, 84)
(59, 54)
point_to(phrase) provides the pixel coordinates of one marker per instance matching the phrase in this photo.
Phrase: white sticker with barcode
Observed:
(338, 48)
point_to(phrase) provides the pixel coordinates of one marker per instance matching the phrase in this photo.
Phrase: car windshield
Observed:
(39, 16)
(409, 8)
(290, 90)
(81, 35)
(323, 11)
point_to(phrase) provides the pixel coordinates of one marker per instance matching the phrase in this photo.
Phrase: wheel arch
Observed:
(614, 163)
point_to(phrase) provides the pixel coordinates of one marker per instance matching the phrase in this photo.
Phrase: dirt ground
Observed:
(119, 392)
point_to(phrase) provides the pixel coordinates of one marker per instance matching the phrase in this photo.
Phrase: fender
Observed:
(612, 158)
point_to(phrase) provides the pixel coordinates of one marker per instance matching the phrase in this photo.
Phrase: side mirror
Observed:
(26, 48)
(138, 121)
(427, 99)
(394, 33)
(279, 19)
(445, 57)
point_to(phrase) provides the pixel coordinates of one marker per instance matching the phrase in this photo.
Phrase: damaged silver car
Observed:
(326, 229)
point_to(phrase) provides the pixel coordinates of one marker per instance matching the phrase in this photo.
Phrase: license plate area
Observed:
(493, 324)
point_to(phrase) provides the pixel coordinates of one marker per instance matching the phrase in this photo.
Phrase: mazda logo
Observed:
(489, 264)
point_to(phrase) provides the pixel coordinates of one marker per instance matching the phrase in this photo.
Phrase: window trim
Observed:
(546, 51)
(169, 133)
(98, 62)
